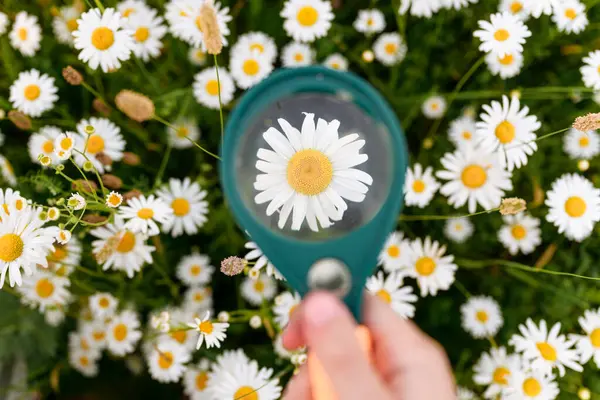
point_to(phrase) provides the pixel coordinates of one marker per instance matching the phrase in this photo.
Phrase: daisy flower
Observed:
(256, 291)
(95, 334)
(531, 384)
(64, 144)
(84, 363)
(389, 48)
(459, 229)
(26, 34)
(42, 142)
(545, 349)
(581, 145)
(390, 289)
(261, 260)
(307, 20)
(79, 342)
(285, 304)
(296, 54)
(225, 362)
(131, 8)
(507, 66)
(180, 334)
(246, 380)
(538, 7)
(428, 265)
(143, 213)
(419, 186)
(520, 232)
(196, 380)
(515, 7)
(494, 370)
(249, 67)
(258, 42)
(574, 205)
(44, 289)
(106, 139)
(7, 171)
(195, 269)
(503, 34)
(481, 317)
(310, 173)
(197, 56)
(370, 21)
(434, 107)
(206, 87)
(64, 257)
(114, 199)
(103, 39)
(54, 316)
(588, 345)
(569, 16)
(33, 93)
(462, 131)
(9, 199)
(420, 8)
(457, 4)
(166, 361)
(103, 305)
(120, 249)
(76, 202)
(198, 299)
(187, 129)
(189, 208)
(336, 61)
(148, 30)
(213, 333)
(462, 393)
(65, 23)
(24, 243)
(63, 236)
(475, 177)
(3, 23)
(591, 70)
(123, 333)
(394, 254)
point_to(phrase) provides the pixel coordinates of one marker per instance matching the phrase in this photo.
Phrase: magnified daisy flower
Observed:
(166, 361)
(33, 93)
(531, 384)
(428, 265)
(189, 208)
(247, 380)
(462, 131)
(3, 23)
(103, 305)
(249, 67)
(419, 186)
(538, 7)
(213, 333)
(26, 34)
(258, 42)
(481, 317)
(515, 7)
(420, 8)
(197, 56)
(370, 21)
(131, 8)
(307, 20)
(588, 345)
(198, 299)
(574, 205)
(256, 291)
(143, 213)
(285, 304)
(591, 70)
(106, 139)
(520, 232)
(390, 290)
(185, 21)
(123, 333)
(545, 349)
(507, 66)
(395, 251)
(196, 380)
(206, 87)
(336, 61)
(42, 142)
(503, 34)
(84, 363)
(310, 173)
(296, 54)
(389, 48)
(8, 173)
(581, 145)
(65, 23)
(494, 370)
(261, 260)
(459, 229)
(44, 290)
(225, 362)
(187, 129)
(148, 30)
(195, 269)
(103, 39)
(434, 107)
(569, 16)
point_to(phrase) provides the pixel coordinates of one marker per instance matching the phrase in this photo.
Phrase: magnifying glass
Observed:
(313, 169)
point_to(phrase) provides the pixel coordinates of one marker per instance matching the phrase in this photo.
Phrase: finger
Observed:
(329, 330)
(293, 337)
(299, 386)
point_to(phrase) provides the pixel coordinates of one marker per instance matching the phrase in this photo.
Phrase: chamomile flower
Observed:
(494, 370)
(102, 39)
(63, 236)
(44, 289)
(507, 66)
(195, 269)
(574, 206)
(428, 265)
(80, 342)
(588, 345)
(258, 42)
(76, 202)
(106, 139)
(143, 213)
(84, 363)
(26, 34)
(462, 131)
(336, 61)
(249, 67)
(64, 144)
(591, 70)
(390, 289)
(569, 16)
(545, 349)
(296, 54)
(247, 379)
(65, 23)
(420, 8)
(581, 145)
(42, 142)
(123, 333)
(131, 8)
(198, 299)
(515, 7)
(531, 384)
(9, 199)
(7, 171)
(120, 249)
(481, 317)
(434, 107)
(503, 34)
(95, 333)
(256, 291)
(320, 173)
(187, 129)
(370, 21)
(419, 186)
(3, 23)
(114, 199)
(166, 361)
(103, 305)
(213, 333)
(462, 393)
(538, 7)
(148, 30)
(261, 260)
(33, 93)
(196, 380)
(206, 87)
(285, 304)
(179, 332)
(197, 56)
(389, 48)
(54, 316)
(65, 256)
(189, 208)
(307, 20)
(520, 232)
(394, 254)
(24, 243)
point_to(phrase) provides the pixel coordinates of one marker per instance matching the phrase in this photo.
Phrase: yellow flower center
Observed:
(246, 393)
(127, 242)
(165, 359)
(84, 361)
(22, 33)
(467, 135)
(180, 206)
(384, 295)
(48, 146)
(570, 13)
(72, 24)
(145, 213)
(103, 302)
(547, 351)
(141, 34)
(473, 176)
(205, 327)
(435, 106)
(370, 22)
(501, 35)
(307, 16)
(120, 332)
(390, 48)
(584, 141)
(44, 288)
(518, 232)
(575, 206)
(114, 200)
(595, 338)
(84, 344)
(418, 186)
(182, 132)
(335, 65)
(257, 46)
(482, 316)
(516, 6)
(250, 67)
(201, 381)
(103, 38)
(52, 212)
(179, 336)
(95, 144)
(259, 286)
(298, 57)
(11, 247)
(425, 266)
(500, 376)
(393, 251)
(531, 387)
(212, 87)
(198, 297)
(61, 271)
(98, 336)
(309, 172)
(195, 270)
(505, 132)
(127, 12)
(59, 253)
(32, 92)
(66, 143)
(506, 60)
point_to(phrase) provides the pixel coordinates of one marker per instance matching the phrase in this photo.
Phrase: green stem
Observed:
(78, 220)
(163, 166)
(146, 74)
(100, 6)
(96, 274)
(461, 288)
(220, 104)
(94, 92)
(95, 171)
(442, 217)
(204, 150)
(85, 178)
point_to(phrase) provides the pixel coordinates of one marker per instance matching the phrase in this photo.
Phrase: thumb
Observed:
(329, 330)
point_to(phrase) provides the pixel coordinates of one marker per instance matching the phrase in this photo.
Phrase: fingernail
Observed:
(321, 308)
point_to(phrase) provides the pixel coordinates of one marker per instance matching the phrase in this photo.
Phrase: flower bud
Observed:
(135, 105)
(72, 76)
(112, 181)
